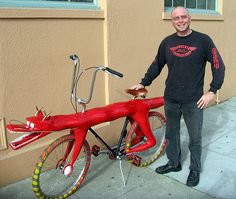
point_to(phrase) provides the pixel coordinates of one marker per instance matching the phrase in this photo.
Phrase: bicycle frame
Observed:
(79, 123)
(137, 110)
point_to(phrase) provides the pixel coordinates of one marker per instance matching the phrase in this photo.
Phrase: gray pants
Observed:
(193, 117)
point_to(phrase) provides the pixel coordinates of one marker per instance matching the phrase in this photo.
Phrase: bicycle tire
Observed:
(48, 180)
(157, 123)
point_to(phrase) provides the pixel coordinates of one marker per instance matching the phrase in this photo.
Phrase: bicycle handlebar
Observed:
(76, 76)
(113, 72)
(74, 57)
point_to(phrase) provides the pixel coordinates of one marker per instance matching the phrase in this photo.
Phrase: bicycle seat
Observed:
(137, 93)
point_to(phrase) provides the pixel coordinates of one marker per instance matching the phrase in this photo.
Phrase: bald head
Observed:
(181, 21)
(179, 9)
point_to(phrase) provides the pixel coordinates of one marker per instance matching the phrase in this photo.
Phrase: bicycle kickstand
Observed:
(122, 174)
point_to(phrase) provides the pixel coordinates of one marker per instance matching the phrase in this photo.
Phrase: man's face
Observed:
(181, 20)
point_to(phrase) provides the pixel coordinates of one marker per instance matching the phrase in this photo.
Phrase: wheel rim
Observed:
(157, 124)
(49, 180)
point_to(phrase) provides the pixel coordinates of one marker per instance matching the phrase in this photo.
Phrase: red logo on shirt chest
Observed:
(182, 50)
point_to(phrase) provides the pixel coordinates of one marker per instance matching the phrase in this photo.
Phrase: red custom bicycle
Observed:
(64, 164)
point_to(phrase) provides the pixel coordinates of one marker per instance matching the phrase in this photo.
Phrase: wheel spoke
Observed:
(157, 124)
(49, 179)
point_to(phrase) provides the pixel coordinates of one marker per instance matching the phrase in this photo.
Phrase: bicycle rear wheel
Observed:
(157, 123)
(49, 180)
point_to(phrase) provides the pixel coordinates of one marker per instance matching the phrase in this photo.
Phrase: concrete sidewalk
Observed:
(218, 178)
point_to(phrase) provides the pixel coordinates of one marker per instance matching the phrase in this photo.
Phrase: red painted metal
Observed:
(39, 126)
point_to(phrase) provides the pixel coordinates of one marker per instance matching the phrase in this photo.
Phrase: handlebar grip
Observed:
(74, 57)
(113, 72)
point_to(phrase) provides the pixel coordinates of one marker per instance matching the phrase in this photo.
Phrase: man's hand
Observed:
(137, 86)
(205, 99)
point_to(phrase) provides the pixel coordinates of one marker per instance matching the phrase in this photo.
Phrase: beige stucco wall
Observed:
(136, 35)
(35, 69)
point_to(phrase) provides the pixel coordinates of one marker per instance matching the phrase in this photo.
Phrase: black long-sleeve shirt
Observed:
(186, 59)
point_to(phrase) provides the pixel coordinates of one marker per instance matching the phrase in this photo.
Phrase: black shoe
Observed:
(193, 179)
(168, 168)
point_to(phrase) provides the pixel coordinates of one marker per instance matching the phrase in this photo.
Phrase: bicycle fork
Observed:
(78, 143)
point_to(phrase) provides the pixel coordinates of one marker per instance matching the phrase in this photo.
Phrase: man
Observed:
(185, 53)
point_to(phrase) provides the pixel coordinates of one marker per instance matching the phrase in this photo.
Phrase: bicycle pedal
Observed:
(130, 156)
(95, 150)
(136, 160)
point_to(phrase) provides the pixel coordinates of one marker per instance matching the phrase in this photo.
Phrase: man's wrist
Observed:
(142, 84)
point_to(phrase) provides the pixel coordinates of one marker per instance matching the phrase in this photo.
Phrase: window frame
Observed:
(198, 11)
(49, 4)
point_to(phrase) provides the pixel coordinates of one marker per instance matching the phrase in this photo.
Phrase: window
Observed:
(71, 4)
(195, 6)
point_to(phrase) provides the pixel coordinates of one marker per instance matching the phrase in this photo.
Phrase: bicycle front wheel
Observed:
(49, 179)
(157, 123)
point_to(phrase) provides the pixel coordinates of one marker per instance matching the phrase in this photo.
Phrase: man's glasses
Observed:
(182, 17)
